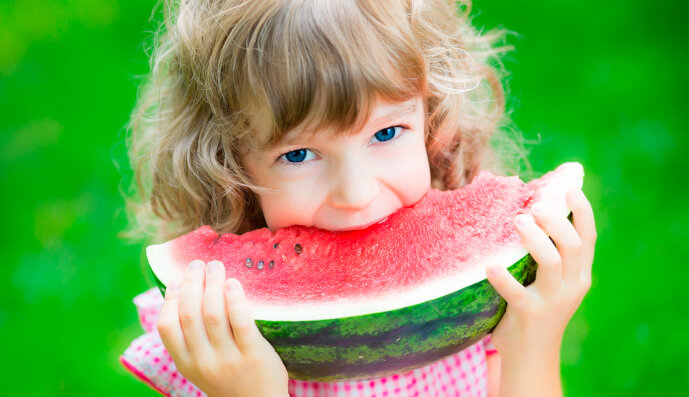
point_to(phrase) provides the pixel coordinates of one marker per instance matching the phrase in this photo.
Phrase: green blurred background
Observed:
(603, 83)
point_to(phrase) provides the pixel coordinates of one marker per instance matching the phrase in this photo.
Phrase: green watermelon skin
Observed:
(368, 346)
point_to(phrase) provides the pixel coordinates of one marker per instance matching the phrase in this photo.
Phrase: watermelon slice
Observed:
(395, 296)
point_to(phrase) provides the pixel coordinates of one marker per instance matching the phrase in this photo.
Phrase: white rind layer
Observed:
(164, 266)
(552, 195)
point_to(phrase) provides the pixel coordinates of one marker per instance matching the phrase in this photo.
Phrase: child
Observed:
(333, 114)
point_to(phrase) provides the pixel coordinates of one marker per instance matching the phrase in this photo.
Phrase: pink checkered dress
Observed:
(463, 374)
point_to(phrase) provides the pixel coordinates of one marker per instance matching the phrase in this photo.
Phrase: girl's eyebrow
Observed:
(396, 112)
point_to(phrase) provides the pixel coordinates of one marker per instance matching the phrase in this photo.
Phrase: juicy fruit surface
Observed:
(444, 233)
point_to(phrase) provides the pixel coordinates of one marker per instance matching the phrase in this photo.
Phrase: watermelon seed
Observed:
(298, 249)
(276, 245)
(260, 265)
(248, 262)
(271, 264)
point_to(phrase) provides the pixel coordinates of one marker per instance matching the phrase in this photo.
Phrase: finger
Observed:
(244, 329)
(214, 312)
(585, 225)
(566, 239)
(191, 311)
(169, 327)
(536, 241)
(507, 286)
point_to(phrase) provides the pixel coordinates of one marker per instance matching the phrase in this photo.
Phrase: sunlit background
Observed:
(604, 83)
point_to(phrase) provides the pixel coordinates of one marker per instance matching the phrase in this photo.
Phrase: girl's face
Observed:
(350, 181)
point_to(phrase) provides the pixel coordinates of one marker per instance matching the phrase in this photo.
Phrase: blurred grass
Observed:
(603, 83)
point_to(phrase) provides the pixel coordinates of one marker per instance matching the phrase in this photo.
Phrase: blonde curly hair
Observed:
(229, 76)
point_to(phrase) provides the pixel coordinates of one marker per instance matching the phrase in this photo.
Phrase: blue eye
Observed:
(386, 133)
(296, 156)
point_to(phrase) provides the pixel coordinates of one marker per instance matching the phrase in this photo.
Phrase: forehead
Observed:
(379, 114)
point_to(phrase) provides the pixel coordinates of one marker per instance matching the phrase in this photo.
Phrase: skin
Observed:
(348, 182)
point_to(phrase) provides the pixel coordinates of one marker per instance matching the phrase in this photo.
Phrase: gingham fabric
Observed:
(463, 374)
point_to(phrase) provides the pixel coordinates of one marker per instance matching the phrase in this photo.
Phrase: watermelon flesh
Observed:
(397, 295)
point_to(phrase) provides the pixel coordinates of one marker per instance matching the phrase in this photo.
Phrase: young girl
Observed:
(333, 114)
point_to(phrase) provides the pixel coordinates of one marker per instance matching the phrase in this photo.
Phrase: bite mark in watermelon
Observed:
(395, 296)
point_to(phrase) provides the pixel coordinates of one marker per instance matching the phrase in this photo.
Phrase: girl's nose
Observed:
(354, 188)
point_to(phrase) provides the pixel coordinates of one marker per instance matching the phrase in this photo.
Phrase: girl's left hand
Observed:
(537, 315)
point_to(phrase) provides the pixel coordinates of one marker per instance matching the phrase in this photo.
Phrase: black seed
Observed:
(271, 264)
(249, 263)
(276, 245)
(298, 249)
(260, 265)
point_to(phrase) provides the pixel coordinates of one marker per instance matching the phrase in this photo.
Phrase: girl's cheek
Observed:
(412, 174)
(295, 205)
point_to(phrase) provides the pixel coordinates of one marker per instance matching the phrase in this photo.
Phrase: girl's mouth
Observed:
(360, 227)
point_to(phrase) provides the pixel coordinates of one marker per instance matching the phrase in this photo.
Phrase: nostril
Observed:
(355, 196)
(355, 201)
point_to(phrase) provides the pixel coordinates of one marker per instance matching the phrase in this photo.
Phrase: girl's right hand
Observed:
(212, 338)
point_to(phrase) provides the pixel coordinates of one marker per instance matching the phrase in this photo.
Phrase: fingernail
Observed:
(173, 284)
(522, 220)
(171, 287)
(576, 194)
(493, 270)
(214, 267)
(195, 265)
(537, 209)
(232, 284)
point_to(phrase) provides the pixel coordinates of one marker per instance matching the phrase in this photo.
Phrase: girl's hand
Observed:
(213, 340)
(537, 315)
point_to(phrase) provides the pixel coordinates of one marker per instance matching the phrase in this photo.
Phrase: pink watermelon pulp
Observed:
(313, 291)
